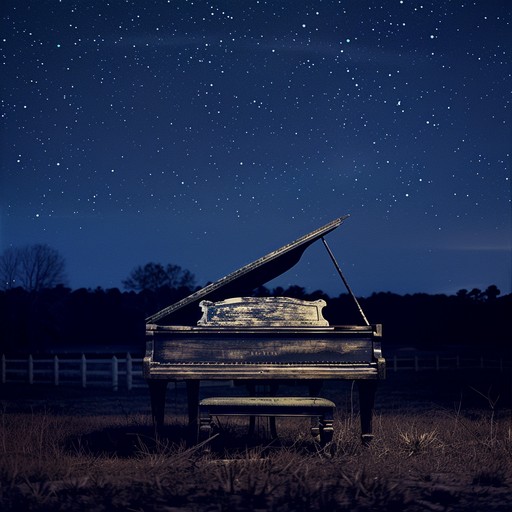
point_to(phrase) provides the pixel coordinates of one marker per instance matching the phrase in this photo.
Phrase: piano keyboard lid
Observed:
(244, 280)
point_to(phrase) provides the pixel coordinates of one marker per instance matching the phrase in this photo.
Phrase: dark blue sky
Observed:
(208, 133)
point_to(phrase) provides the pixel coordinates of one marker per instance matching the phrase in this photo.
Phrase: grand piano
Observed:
(222, 332)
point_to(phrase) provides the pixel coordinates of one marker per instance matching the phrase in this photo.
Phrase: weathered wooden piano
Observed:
(220, 332)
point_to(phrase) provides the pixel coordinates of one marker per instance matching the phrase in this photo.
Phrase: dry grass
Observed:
(62, 463)
(435, 459)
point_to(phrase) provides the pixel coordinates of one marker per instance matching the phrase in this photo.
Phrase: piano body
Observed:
(270, 340)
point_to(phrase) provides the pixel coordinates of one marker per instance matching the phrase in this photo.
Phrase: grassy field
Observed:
(443, 442)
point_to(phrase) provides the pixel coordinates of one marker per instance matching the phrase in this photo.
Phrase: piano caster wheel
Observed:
(366, 439)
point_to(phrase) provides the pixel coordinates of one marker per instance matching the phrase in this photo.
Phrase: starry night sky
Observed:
(209, 133)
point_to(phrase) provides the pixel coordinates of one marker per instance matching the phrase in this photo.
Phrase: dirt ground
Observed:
(443, 442)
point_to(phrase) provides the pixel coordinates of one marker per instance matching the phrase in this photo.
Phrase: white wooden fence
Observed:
(443, 362)
(84, 370)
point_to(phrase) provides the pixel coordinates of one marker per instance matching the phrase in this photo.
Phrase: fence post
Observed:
(115, 374)
(30, 369)
(56, 371)
(4, 369)
(129, 371)
(416, 364)
(83, 371)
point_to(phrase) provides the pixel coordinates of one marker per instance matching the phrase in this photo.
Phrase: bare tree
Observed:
(154, 275)
(9, 262)
(33, 267)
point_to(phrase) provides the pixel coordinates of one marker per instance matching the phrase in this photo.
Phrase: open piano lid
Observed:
(244, 280)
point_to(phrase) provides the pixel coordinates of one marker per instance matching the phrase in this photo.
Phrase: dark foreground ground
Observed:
(443, 442)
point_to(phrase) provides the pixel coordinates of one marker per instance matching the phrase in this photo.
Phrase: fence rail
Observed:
(127, 372)
(439, 362)
(70, 371)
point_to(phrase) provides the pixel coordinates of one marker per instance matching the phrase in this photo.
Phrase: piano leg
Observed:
(315, 387)
(157, 391)
(367, 389)
(193, 403)
(252, 425)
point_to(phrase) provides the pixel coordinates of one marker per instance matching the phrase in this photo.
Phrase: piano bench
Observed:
(273, 407)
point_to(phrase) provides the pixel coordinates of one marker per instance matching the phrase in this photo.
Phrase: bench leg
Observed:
(367, 389)
(157, 392)
(315, 387)
(326, 430)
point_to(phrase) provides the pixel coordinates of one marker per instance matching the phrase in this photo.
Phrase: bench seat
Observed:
(271, 407)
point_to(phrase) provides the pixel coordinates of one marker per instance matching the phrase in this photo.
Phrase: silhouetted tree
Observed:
(33, 267)
(262, 291)
(492, 292)
(295, 291)
(9, 262)
(476, 294)
(462, 294)
(59, 317)
(153, 276)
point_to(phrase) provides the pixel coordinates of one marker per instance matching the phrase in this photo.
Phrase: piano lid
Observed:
(244, 280)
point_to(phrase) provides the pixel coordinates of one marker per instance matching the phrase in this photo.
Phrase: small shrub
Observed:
(418, 442)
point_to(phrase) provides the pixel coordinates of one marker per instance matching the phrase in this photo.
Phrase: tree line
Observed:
(38, 312)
